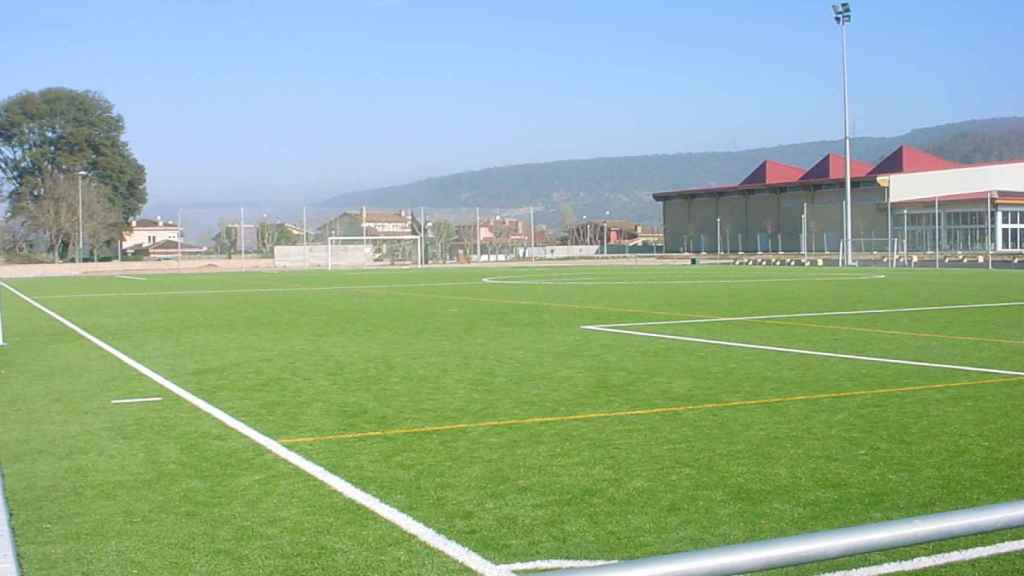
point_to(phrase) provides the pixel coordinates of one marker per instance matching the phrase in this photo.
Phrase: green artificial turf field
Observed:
(474, 401)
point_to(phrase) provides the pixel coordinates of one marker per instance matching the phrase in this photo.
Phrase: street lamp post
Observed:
(81, 226)
(841, 13)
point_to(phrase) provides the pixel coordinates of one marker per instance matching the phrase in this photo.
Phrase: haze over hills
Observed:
(623, 185)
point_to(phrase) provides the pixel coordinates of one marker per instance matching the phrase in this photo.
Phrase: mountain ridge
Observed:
(622, 185)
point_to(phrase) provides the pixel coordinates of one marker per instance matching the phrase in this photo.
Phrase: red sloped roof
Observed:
(910, 159)
(833, 166)
(772, 172)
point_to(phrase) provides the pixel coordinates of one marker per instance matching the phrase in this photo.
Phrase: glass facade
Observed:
(1011, 229)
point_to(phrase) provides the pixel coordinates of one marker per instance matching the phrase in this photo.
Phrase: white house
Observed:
(145, 232)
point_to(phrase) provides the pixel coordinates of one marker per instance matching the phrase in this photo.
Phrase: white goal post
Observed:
(370, 242)
(2, 342)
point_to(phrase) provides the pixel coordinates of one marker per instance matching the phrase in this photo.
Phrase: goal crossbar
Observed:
(367, 239)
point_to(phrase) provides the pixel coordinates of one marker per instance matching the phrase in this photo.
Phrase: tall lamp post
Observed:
(841, 13)
(81, 227)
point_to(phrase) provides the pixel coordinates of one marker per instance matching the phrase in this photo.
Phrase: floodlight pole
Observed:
(936, 232)
(478, 234)
(842, 18)
(423, 234)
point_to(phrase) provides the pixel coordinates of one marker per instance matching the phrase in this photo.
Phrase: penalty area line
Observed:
(410, 525)
(731, 344)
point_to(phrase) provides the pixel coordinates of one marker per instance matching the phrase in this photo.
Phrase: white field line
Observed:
(802, 351)
(256, 290)
(555, 564)
(123, 277)
(137, 400)
(924, 562)
(836, 277)
(814, 314)
(407, 523)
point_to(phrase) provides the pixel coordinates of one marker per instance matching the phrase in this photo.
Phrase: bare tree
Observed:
(53, 211)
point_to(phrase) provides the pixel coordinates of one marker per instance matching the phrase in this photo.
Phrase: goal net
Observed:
(348, 251)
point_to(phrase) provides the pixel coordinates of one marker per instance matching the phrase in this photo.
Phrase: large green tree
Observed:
(60, 131)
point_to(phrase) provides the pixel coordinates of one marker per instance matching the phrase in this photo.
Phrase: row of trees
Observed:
(51, 142)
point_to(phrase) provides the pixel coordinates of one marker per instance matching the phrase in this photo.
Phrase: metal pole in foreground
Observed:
(842, 18)
(818, 546)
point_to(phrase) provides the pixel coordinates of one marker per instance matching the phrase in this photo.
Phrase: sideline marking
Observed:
(733, 344)
(703, 316)
(640, 412)
(123, 277)
(590, 282)
(137, 400)
(410, 525)
(254, 290)
(555, 564)
(922, 562)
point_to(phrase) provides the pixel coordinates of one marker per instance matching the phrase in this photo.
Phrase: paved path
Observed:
(8, 563)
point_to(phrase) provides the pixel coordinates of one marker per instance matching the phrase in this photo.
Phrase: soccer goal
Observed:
(347, 251)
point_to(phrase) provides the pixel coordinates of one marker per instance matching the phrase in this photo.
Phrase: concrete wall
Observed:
(918, 185)
(761, 221)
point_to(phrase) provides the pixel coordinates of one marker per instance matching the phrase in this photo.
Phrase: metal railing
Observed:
(818, 546)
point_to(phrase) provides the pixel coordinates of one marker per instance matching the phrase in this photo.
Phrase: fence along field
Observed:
(483, 412)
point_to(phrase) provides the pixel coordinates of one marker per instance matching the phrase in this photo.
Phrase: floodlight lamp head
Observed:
(83, 173)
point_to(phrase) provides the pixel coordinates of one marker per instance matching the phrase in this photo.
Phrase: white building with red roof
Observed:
(911, 198)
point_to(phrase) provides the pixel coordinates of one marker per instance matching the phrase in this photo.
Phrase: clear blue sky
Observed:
(275, 100)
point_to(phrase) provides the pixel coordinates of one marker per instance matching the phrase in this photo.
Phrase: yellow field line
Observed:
(894, 332)
(706, 317)
(639, 412)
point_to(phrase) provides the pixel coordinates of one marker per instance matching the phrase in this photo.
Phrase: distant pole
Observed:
(936, 232)
(423, 235)
(988, 228)
(478, 234)
(181, 238)
(305, 240)
(842, 18)
(906, 236)
(241, 234)
(803, 231)
(888, 237)
(81, 223)
(718, 236)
